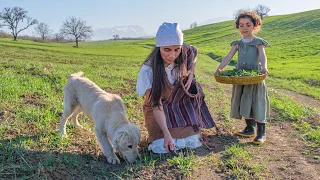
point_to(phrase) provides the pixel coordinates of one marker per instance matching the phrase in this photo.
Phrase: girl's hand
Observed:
(264, 70)
(168, 143)
(218, 71)
(187, 85)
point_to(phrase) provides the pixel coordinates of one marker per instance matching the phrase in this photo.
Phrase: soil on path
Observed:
(284, 155)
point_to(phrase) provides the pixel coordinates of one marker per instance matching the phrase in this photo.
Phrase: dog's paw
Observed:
(113, 159)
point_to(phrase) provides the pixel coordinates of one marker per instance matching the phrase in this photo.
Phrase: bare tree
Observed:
(193, 25)
(43, 30)
(76, 28)
(116, 37)
(237, 12)
(262, 10)
(57, 37)
(11, 17)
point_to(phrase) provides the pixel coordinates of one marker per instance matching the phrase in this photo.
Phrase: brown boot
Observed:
(249, 130)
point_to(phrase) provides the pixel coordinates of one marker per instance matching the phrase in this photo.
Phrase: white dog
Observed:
(107, 112)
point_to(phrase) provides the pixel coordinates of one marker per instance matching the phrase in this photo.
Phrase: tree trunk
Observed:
(261, 16)
(77, 42)
(14, 38)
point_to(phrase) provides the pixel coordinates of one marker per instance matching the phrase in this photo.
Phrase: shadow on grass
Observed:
(17, 162)
(21, 158)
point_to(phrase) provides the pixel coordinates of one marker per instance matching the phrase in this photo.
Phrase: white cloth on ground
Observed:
(191, 142)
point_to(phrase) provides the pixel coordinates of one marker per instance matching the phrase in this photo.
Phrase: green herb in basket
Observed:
(240, 72)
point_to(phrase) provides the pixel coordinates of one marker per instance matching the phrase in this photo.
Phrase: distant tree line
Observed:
(16, 19)
(73, 28)
(52, 38)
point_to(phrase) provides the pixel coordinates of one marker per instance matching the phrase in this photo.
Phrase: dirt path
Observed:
(302, 99)
(283, 153)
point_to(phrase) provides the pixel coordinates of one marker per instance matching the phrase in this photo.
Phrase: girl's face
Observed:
(246, 27)
(169, 54)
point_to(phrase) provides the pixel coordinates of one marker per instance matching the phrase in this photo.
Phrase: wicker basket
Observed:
(243, 80)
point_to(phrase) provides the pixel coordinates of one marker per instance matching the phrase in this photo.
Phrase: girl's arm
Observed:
(158, 114)
(263, 59)
(227, 58)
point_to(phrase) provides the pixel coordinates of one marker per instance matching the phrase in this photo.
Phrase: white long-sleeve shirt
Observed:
(144, 81)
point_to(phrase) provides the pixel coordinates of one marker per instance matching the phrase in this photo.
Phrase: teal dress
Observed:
(249, 101)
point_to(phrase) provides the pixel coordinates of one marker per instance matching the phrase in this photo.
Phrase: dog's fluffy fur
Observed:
(107, 111)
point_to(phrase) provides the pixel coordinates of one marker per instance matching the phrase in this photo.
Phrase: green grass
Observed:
(31, 95)
(310, 133)
(185, 161)
(110, 48)
(238, 163)
(301, 87)
(303, 118)
(287, 109)
(184, 164)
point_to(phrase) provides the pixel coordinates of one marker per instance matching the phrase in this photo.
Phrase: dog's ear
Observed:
(136, 131)
(133, 132)
(128, 133)
(120, 136)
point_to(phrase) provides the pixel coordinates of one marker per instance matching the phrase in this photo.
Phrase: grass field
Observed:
(31, 102)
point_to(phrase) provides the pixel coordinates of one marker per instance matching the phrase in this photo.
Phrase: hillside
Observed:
(32, 77)
(292, 39)
(293, 53)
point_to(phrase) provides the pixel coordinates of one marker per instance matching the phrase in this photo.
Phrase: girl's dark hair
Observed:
(159, 75)
(254, 17)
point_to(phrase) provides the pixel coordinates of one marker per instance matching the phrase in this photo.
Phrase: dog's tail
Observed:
(78, 74)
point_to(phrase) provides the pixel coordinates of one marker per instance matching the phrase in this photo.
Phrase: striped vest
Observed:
(182, 110)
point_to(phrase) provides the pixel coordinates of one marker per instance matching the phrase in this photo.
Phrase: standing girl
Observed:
(249, 101)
